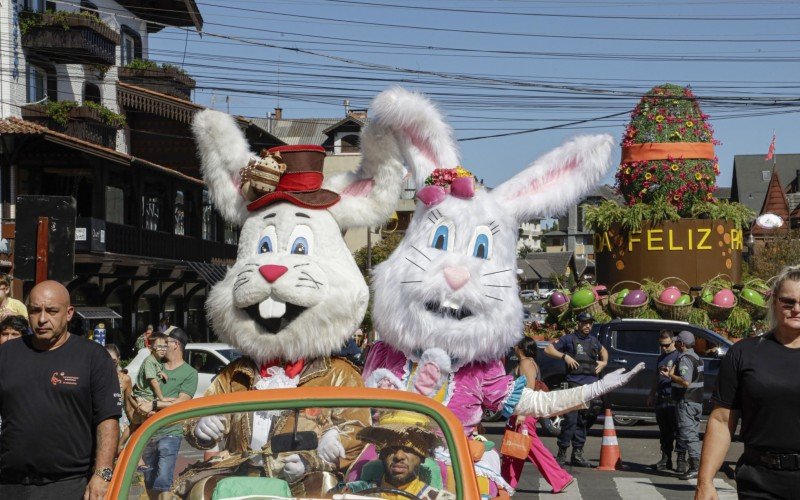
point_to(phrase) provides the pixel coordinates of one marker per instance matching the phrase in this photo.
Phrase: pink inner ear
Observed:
(424, 148)
(539, 185)
(360, 188)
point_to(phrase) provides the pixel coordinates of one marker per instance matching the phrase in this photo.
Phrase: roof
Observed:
(775, 202)
(18, 126)
(607, 192)
(168, 12)
(749, 187)
(555, 233)
(722, 193)
(96, 312)
(346, 119)
(534, 269)
(211, 273)
(297, 131)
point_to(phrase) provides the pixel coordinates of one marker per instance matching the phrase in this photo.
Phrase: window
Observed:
(151, 211)
(37, 84)
(91, 93)
(180, 213)
(231, 234)
(638, 341)
(115, 205)
(209, 218)
(88, 7)
(205, 362)
(765, 175)
(130, 46)
(35, 5)
(350, 143)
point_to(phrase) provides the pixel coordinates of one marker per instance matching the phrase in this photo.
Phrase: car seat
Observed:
(256, 487)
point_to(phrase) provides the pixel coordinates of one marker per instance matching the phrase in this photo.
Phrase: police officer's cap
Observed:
(585, 317)
(687, 338)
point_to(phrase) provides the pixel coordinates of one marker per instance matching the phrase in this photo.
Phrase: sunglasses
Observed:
(665, 345)
(787, 303)
(161, 347)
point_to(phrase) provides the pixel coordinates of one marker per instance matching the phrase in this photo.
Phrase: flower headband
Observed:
(458, 182)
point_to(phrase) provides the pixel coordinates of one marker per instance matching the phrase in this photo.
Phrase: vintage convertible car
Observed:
(393, 420)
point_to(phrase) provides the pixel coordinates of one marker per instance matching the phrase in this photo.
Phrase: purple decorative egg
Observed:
(635, 298)
(558, 299)
(724, 298)
(669, 295)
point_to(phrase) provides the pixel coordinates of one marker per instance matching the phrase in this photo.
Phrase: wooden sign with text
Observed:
(694, 250)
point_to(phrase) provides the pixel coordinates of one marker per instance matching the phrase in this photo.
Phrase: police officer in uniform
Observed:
(661, 398)
(585, 358)
(687, 391)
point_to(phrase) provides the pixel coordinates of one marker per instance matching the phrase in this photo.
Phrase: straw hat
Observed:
(402, 428)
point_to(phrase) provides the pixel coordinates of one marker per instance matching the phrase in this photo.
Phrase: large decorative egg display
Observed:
(582, 298)
(635, 298)
(724, 298)
(670, 295)
(558, 299)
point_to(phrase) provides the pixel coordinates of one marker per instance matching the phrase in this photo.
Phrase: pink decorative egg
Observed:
(558, 299)
(670, 295)
(635, 298)
(724, 298)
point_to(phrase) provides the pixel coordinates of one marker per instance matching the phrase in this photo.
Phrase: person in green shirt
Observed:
(148, 381)
(161, 452)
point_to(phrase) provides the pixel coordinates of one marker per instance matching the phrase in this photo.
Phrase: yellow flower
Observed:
(659, 118)
(648, 176)
(689, 124)
(463, 172)
(698, 176)
(674, 167)
(709, 195)
(676, 197)
(627, 171)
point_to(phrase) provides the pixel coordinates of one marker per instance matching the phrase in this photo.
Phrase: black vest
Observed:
(694, 392)
(586, 354)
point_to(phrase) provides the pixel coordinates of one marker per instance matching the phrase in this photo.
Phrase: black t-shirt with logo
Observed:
(759, 377)
(51, 403)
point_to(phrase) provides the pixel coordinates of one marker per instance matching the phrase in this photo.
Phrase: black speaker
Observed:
(61, 212)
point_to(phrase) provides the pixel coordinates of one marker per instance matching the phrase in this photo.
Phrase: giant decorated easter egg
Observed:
(752, 296)
(670, 295)
(582, 298)
(558, 299)
(635, 298)
(724, 298)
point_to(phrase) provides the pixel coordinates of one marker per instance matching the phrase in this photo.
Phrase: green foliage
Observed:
(668, 113)
(699, 317)
(106, 115)
(779, 251)
(380, 251)
(738, 323)
(59, 112)
(61, 18)
(739, 214)
(648, 313)
(148, 64)
(523, 251)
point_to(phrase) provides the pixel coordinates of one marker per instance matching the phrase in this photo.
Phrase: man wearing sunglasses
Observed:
(687, 391)
(661, 398)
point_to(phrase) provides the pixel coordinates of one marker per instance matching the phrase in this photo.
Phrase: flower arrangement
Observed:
(443, 177)
(668, 114)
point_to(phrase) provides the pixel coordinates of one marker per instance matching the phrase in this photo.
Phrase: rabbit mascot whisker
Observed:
(293, 296)
(446, 304)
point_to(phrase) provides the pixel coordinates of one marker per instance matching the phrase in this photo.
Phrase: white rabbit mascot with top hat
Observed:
(447, 305)
(293, 296)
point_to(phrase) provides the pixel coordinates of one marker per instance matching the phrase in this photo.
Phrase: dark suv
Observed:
(630, 341)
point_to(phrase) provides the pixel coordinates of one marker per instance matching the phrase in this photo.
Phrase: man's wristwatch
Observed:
(564, 357)
(155, 404)
(105, 474)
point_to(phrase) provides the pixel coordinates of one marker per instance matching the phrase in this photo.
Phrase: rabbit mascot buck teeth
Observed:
(293, 296)
(447, 305)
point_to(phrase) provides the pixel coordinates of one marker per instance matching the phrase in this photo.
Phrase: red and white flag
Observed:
(771, 151)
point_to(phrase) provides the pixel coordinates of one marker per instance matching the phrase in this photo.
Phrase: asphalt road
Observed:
(639, 448)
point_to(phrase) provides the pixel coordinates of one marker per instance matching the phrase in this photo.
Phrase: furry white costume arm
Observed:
(557, 180)
(383, 379)
(546, 404)
(223, 152)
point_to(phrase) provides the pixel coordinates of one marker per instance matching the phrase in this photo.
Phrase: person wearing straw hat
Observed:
(584, 357)
(404, 441)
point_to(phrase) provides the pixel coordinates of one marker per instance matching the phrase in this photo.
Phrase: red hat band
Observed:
(300, 182)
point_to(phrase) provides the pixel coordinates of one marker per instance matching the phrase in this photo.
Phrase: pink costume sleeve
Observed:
(375, 357)
(496, 385)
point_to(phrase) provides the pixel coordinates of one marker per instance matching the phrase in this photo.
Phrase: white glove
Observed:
(329, 447)
(210, 428)
(611, 381)
(293, 468)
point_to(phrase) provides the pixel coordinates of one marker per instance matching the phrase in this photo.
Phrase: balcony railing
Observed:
(69, 37)
(168, 81)
(83, 122)
(132, 240)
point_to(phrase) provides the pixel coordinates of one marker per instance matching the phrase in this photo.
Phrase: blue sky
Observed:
(511, 66)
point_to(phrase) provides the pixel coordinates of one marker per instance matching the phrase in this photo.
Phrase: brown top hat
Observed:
(301, 182)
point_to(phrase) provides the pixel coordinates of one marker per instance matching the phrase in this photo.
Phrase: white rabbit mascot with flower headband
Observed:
(447, 304)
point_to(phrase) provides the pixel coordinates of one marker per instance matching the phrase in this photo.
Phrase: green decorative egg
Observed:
(752, 296)
(581, 298)
(683, 300)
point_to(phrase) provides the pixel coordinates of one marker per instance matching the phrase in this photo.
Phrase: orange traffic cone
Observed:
(610, 458)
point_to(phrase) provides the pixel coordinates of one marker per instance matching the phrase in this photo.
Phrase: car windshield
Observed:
(295, 452)
(230, 354)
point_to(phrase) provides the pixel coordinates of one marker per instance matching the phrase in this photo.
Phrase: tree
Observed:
(524, 250)
(380, 251)
(783, 250)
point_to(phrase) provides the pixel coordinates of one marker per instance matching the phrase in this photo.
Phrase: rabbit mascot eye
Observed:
(293, 296)
(447, 304)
